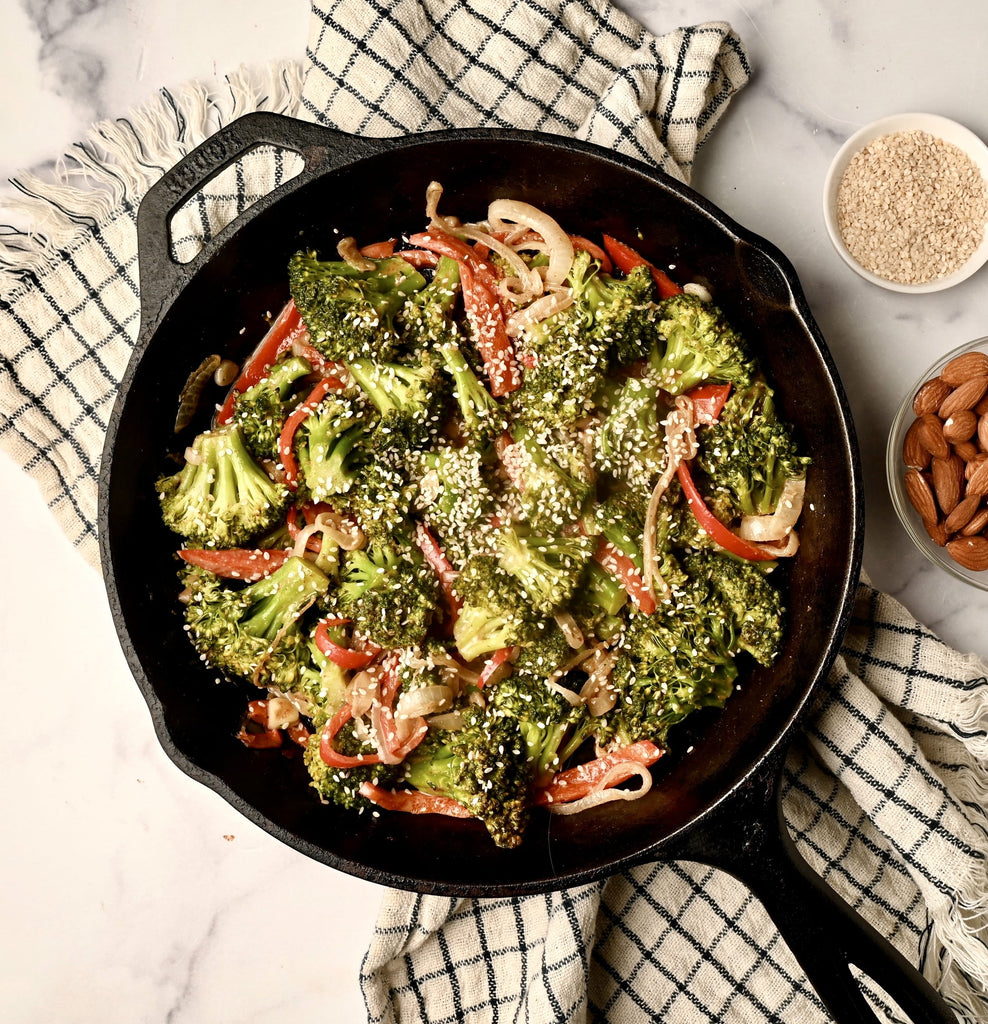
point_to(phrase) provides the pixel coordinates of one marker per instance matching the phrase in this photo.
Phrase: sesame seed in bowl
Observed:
(906, 202)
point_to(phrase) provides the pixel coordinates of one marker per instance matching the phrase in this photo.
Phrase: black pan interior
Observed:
(222, 309)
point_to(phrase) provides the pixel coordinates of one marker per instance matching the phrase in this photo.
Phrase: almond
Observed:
(963, 367)
(982, 407)
(964, 396)
(967, 450)
(977, 523)
(960, 427)
(977, 482)
(962, 514)
(938, 533)
(983, 431)
(971, 552)
(930, 434)
(914, 453)
(920, 495)
(930, 396)
(948, 481)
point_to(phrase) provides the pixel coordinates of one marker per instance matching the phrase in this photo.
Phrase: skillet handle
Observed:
(751, 841)
(321, 149)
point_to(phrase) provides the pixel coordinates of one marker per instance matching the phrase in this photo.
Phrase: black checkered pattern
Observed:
(885, 795)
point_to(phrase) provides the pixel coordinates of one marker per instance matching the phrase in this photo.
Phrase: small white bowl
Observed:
(940, 127)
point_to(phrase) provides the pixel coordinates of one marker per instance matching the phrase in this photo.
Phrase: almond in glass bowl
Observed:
(937, 463)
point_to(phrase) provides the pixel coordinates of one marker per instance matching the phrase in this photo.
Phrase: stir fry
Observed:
(489, 511)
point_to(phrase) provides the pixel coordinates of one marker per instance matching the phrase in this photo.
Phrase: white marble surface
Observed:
(131, 893)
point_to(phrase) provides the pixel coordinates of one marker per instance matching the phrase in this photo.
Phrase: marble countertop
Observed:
(131, 893)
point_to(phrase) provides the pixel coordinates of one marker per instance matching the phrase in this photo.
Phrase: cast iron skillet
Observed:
(718, 804)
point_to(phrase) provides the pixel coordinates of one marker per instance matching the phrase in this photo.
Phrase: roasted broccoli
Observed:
(330, 444)
(700, 346)
(495, 611)
(342, 785)
(254, 631)
(350, 313)
(546, 566)
(262, 408)
(425, 321)
(221, 497)
(390, 593)
(483, 765)
(481, 417)
(409, 400)
(630, 444)
(749, 453)
(554, 479)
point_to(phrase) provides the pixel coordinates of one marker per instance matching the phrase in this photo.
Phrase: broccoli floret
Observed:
(409, 399)
(254, 631)
(597, 603)
(481, 417)
(221, 497)
(330, 445)
(747, 595)
(547, 567)
(322, 685)
(350, 313)
(630, 443)
(749, 453)
(622, 311)
(552, 729)
(671, 663)
(390, 593)
(382, 501)
(495, 611)
(455, 499)
(700, 346)
(342, 785)
(262, 408)
(482, 765)
(553, 479)
(425, 320)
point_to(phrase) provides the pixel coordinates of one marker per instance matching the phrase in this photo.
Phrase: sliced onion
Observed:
(433, 194)
(377, 735)
(502, 213)
(600, 794)
(680, 445)
(193, 457)
(779, 523)
(451, 721)
(597, 692)
(281, 713)
(699, 290)
(568, 666)
(422, 701)
(364, 690)
(782, 548)
(350, 253)
(569, 695)
(541, 309)
(570, 630)
(525, 284)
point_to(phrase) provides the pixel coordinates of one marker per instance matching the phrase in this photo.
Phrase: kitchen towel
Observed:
(885, 797)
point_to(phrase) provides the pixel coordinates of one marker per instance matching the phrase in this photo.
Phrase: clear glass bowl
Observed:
(895, 469)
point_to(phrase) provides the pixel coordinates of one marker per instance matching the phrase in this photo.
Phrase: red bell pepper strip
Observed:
(717, 531)
(287, 327)
(494, 664)
(411, 801)
(248, 564)
(298, 733)
(626, 259)
(344, 657)
(486, 317)
(285, 441)
(378, 250)
(620, 565)
(330, 754)
(436, 558)
(575, 783)
(419, 258)
(708, 402)
(257, 712)
(581, 243)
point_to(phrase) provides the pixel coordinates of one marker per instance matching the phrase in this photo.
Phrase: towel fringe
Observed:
(955, 960)
(119, 160)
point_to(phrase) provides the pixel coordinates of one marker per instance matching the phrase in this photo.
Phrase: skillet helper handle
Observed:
(321, 149)
(751, 841)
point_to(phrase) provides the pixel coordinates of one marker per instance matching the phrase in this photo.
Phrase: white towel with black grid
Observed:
(885, 795)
